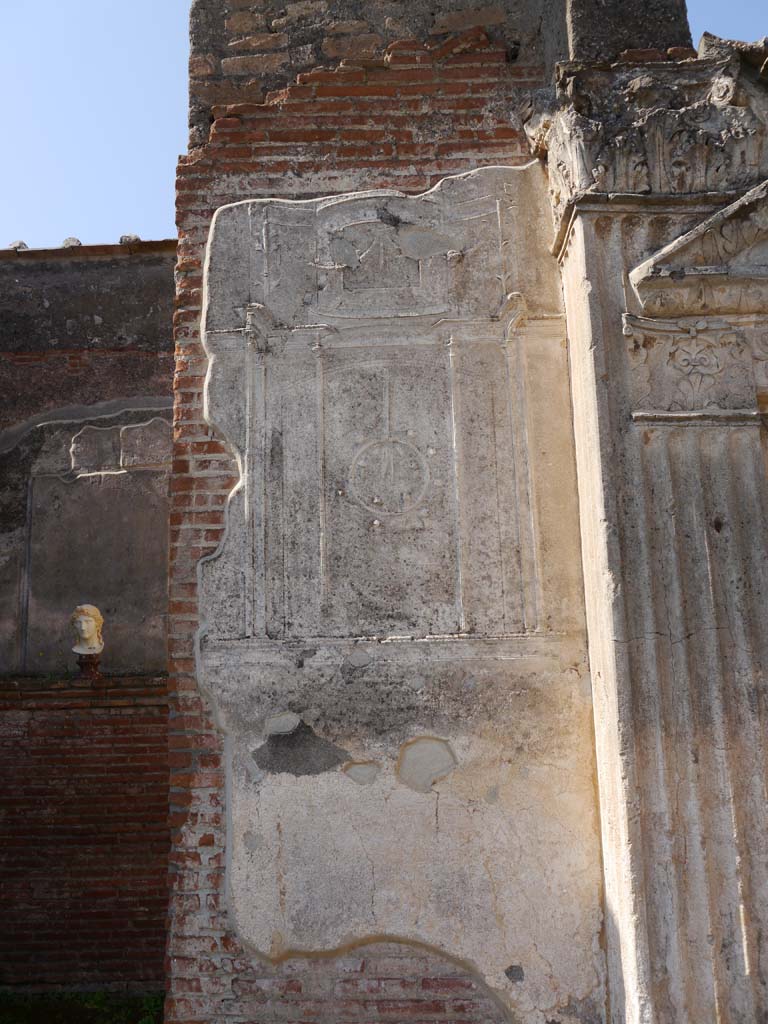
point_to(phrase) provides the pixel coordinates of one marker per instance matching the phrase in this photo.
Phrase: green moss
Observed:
(80, 1008)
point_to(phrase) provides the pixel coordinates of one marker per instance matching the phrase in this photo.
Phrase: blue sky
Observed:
(95, 112)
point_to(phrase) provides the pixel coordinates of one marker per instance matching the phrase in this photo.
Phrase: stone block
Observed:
(364, 44)
(99, 539)
(253, 66)
(262, 41)
(459, 21)
(245, 23)
(203, 65)
(349, 28)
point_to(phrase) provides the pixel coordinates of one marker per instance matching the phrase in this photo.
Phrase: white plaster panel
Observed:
(400, 562)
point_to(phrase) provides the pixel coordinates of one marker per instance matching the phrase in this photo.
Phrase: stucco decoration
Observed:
(392, 630)
(720, 266)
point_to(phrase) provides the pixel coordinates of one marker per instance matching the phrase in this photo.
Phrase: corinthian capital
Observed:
(658, 127)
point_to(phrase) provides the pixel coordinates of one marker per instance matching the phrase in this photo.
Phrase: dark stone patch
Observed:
(580, 1011)
(301, 752)
(515, 973)
(305, 655)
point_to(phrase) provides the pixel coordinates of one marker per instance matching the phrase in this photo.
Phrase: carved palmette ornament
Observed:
(694, 366)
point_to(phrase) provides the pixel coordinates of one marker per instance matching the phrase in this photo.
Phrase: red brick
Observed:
(109, 779)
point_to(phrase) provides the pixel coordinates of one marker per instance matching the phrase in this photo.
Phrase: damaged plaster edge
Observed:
(281, 956)
(11, 436)
(324, 202)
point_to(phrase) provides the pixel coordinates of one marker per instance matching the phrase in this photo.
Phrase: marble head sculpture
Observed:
(87, 622)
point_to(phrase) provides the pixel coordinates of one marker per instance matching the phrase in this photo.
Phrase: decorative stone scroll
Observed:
(391, 631)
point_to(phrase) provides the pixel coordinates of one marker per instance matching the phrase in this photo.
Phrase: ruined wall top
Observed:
(243, 49)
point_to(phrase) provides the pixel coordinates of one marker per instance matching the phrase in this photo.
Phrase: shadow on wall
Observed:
(84, 519)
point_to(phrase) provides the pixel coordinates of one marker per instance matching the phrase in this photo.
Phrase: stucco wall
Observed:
(85, 372)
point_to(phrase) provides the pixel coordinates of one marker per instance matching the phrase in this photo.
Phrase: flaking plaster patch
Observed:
(362, 772)
(282, 724)
(424, 761)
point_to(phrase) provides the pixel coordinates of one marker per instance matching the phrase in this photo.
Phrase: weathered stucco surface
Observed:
(85, 451)
(392, 629)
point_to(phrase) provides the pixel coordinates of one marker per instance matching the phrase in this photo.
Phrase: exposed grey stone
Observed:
(146, 445)
(71, 243)
(299, 752)
(96, 450)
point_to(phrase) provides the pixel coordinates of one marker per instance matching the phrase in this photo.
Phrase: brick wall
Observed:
(83, 833)
(243, 49)
(405, 121)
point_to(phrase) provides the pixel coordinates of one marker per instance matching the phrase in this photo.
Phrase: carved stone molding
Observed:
(697, 369)
(663, 128)
(720, 266)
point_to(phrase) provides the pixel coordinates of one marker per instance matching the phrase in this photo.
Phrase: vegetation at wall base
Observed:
(81, 1008)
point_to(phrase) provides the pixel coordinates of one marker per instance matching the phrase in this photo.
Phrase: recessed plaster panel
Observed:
(45, 550)
(400, 570)
(98, 539)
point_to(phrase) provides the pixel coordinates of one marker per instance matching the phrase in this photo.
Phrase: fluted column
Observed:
(668, 339)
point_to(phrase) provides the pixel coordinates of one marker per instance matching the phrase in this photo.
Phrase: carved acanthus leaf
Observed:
(664, 128)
